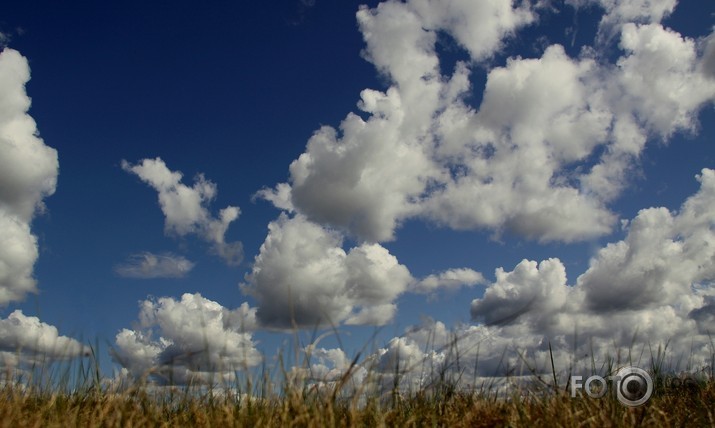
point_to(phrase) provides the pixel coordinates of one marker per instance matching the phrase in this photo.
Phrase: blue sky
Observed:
(425, 165)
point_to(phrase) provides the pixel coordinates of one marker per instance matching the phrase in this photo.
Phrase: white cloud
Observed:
(637, 10)
(28, 173)
(654, 287)
(480, 26)
(34, 342)
(18, 253)
(450, 279)
(554, 141)
(704, 316)
(280, 197)
(192, 339)
(533, 306)
(664, 255)
(366, 178)
(362, 182)
(429, 353)
(302, 275)
(660, 76)
(148, 265)
(328, 364)
(528, 289)
(512, 161)
(618, 12)
(185, 208)
(21, 188)
(403, 354)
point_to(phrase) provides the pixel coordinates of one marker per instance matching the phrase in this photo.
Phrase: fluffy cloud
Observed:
(18, 253)
(652, 288)
(512, 159)
(553, 142)
(369, 176)
(28, 173)
(188, 340)
(27, 340)
(660, 261)
(480, 27)
(185, 208)
(660, 75)
(148, 265)
(618, 12)
(651, 291)
(704, 316)
(529, 288)
(426, 355)
(450, 279)
(22, 188)
(302, 276)
(363, 182)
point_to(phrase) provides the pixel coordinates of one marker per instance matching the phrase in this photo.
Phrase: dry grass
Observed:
(303, 407)
(78, 395)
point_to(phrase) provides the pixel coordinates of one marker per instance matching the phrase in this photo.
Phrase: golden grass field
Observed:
(27, 408)
(90, 402)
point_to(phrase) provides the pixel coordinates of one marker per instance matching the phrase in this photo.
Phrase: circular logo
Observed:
(634, 387)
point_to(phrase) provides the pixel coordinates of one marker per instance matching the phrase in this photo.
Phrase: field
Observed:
(20, 408)
(88, 400)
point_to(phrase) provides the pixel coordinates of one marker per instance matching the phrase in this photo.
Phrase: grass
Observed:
(299, 401)
(138, 407)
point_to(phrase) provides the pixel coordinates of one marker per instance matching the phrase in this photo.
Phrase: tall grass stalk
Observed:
(283, 396)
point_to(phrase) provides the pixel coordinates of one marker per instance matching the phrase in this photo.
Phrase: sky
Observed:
(186, 186)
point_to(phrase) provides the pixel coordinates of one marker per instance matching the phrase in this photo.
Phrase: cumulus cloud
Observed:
(480, 27)
(189, 340)
(302, 276)
(426, 355)
(618, 12)
(27, 340)
(148, 265)
(554, 140)
(652, 290)
(512, 158)
(328, 364)
(704, 316)
(527, 289)
(450, 279)
(28, 173)
(371, 173)
(18, 253)
(22, 188)
(660, 75)
(662, 258)
(552, 143)
(655, 285)
(362, 182)
(186, 208)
